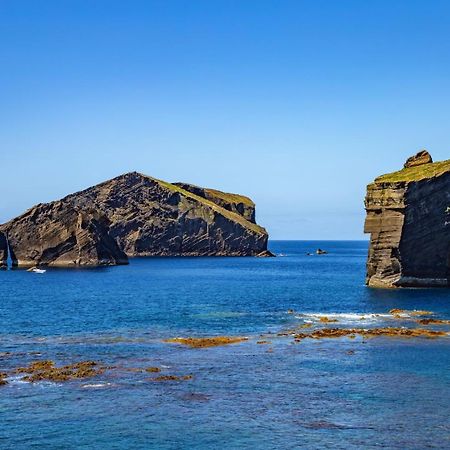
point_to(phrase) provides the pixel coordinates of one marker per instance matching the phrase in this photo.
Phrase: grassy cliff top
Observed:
(231, 198)
(416, 173)
(228, 214)
(227, 197)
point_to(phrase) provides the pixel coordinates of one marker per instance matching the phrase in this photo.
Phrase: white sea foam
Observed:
(344, 317)
(96, 385)
(16, 379)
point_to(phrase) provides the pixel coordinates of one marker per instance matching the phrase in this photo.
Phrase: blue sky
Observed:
(298, 104)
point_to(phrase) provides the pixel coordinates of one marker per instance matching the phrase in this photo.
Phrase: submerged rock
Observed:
(195, 396)
(369, 332)
(171, 378)
(134, 215)
(408, 218)
(396, 312)
(325, 319)
(433, 322)
(46, 371)
(207, 341)
(3, 375)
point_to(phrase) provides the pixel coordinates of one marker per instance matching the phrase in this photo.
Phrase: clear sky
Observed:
(298, 104)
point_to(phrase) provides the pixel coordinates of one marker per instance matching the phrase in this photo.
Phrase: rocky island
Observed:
(408, 218)
(133, 215)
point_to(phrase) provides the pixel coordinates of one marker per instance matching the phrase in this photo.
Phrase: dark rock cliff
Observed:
(408, 217)
(3, 251)
(58, 234)
(135, 215)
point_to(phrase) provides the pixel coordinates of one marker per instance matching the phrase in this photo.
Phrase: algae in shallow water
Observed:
(207, 341)
(171, 378)
(370, 332)
(46, 371)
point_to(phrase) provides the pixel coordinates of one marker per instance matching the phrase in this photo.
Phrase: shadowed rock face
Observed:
(408, 217)
(3, 251)
(135, 215)
(56, 234)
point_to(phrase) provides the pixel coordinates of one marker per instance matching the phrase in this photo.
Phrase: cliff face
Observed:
(408, 217)
(3, 251)
(135, 215)
(238, 204)
(57, 234)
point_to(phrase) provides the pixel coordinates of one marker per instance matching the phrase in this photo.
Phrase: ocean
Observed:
(269, 391)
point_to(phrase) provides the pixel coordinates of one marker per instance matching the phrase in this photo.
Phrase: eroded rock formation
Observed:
(3, 251)
(408, 217)
(57, 234)
(422, 157)
(134, 215)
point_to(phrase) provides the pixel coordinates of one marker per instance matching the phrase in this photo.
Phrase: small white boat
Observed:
(36, 270)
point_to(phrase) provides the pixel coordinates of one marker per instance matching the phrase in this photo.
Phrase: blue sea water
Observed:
(342, 393)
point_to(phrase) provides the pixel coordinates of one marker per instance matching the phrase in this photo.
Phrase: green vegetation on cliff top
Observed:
(230, 198)
(225, 196)
(228, 214)
(416, 173)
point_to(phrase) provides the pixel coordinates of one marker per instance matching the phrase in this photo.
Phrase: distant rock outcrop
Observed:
(134, 215)
(408, 217)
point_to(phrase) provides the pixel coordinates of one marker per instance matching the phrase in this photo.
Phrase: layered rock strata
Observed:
(57, 234)
(135, 215)
(420, 158)
(408, 218)
(236, 203)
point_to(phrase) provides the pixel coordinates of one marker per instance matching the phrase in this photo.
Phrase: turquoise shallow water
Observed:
(337, 393)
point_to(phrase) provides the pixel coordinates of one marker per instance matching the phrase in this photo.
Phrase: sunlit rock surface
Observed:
(134, 215)
(408, 218)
